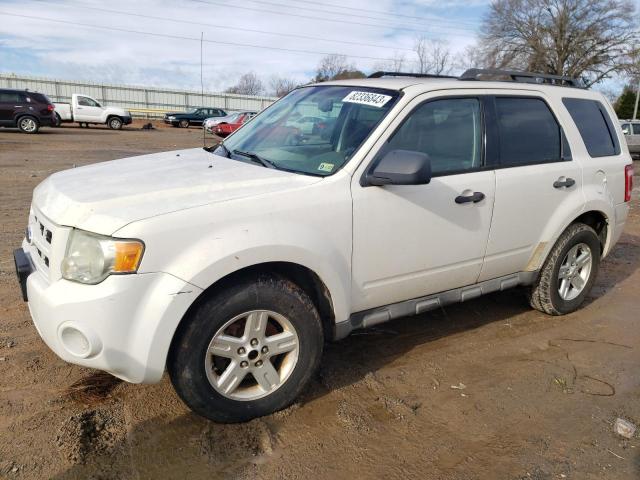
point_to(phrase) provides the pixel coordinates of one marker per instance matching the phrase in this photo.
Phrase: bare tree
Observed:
(336, 67)
(433, 55)
(591, 39)
(280, 86)
(248, 84)
(396, 63)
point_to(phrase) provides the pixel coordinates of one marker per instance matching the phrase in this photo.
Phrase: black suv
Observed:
(26, 110)
(192, 117)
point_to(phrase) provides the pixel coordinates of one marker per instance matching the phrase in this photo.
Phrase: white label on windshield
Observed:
(367, 98)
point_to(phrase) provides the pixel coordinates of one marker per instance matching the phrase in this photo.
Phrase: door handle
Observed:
(474, 197)
(566, 183)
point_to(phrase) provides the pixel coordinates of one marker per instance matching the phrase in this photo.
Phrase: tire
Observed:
(28, 124)
(58, 121)
(183, 123)
(115, 123)
(546, 294)
(194, 370)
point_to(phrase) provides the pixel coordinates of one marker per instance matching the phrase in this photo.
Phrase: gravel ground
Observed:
(487, 389)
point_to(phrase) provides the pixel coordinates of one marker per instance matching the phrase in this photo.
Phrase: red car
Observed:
(225, 129)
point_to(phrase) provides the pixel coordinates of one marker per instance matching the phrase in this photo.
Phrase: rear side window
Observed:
(636, 128)
(529, 133)
(595, 126)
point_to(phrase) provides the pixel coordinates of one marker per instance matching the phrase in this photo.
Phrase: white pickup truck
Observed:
(85, 110)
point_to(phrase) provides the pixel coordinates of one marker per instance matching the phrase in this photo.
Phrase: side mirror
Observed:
(401, 167)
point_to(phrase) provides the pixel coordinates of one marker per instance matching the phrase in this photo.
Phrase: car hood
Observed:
(105, 197)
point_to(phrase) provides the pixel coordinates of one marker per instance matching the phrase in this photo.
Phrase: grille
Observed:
(46, 244)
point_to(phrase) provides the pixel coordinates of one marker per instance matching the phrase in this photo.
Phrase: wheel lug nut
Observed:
(254, 342)
(244, 364)
(265, 349)
(241, 351)
(259, 363)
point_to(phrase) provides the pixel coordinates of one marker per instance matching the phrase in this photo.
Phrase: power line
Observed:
(276, 4)
(226, 27)
(180, 37)
(381, 12)
(262, 10)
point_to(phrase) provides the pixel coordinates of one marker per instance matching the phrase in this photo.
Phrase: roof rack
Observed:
(522, 77)
(407, 74)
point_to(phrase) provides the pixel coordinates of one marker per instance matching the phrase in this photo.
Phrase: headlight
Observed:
(91, 258)
(171, 117)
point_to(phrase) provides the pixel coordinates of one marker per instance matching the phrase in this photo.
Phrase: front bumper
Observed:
(123, 325)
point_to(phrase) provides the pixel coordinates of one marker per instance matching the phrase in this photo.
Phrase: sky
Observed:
(157, 42)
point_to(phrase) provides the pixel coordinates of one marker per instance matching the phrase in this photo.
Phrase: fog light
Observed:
(77, 343)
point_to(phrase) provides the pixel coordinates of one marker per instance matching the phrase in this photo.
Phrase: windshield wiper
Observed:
(256, 158)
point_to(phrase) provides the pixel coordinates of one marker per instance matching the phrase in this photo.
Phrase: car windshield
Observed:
(313, 130)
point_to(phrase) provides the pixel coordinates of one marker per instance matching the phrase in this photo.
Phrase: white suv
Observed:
(232, 266)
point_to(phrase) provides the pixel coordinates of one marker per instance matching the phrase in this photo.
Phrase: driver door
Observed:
(415, 240)
(88, 110)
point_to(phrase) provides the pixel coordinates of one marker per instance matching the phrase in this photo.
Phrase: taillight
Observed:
(628, 182)
(51, 108)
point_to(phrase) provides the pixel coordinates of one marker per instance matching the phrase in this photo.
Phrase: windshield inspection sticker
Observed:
(326, 167)
(367, 98)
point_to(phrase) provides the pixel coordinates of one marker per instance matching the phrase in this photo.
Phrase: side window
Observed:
(87, 102)
(594, 125)
(636, 128)
(9, 97)
(626, 129)
(528, 132)
(448, 130)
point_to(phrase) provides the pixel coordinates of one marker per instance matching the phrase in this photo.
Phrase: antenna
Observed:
(204, 138)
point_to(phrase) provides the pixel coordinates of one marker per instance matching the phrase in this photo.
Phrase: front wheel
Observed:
(115, 123)
(568, 273)
(183, 123)
(247, 351)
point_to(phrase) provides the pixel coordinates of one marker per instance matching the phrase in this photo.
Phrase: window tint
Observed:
(636, 128)
(594, 125)
(449, 131)
(10, 97)
(529, 133)
(87, 102)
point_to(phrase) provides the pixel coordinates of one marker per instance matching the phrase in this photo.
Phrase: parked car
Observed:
(631, 130)
(227, 128)
(28, 111)
(86, 110)
(209, 123)
(195, 116)
(231, 266)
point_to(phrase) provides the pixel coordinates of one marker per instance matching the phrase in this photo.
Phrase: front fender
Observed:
(205, 244)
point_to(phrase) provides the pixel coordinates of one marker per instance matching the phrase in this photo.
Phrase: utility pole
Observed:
(635, 109)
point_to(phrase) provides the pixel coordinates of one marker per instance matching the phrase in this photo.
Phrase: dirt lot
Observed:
(535, 397)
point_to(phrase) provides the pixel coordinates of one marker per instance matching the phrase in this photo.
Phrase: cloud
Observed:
(67, 50)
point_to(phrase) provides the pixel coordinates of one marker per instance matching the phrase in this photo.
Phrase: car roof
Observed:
(421, 85)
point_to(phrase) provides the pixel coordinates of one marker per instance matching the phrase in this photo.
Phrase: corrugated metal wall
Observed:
(156, 100)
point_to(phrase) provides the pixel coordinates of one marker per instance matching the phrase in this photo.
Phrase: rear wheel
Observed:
(28, 125)
(247, 351)
(184, 123)
(57, 121)
(115, 123)
(568, 273)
